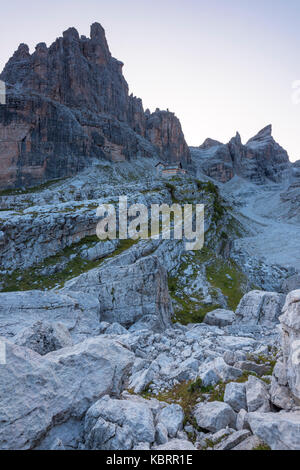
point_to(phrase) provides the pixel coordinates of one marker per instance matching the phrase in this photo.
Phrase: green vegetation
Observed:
(72, 265)
(225, 276)
(172, 190)
(32, 189)
(262, 447)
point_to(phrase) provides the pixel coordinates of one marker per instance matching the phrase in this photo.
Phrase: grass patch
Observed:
(226, 277)
(32, 189)
(262, 447)
(31, 278)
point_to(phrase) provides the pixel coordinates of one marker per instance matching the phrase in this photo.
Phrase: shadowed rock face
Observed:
(259, 160)
(69, 104)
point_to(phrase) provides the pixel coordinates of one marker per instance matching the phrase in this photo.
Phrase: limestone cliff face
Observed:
(261, 159)
(163, 129)
(69, 104)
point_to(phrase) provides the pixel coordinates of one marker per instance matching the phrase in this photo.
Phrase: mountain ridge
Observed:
(69, 104)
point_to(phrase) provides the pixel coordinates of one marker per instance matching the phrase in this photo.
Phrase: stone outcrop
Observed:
(44, 337)
(290, 322)
(42, 392)
(68, 105)
(214, 416)
(260, 160)
(281, 431)
(259, 307)
(79, 312)
(129, 293)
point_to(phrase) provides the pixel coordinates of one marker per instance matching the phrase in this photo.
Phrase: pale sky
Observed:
(220, 65)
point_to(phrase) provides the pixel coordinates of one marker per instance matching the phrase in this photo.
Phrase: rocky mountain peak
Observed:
(75, 107)
(260, 160)
(262, 135)
(208, 143)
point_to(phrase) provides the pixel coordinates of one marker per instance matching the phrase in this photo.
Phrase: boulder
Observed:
(291, 283)
(41, 392)
(176, 444)
(161, 434)
(129, 293)
(258, 398)
(250, 443)
(259, 308)
(171, 417)
(241, 420)
(281, 396)
(290, 323)
(217, 370)
(219, 317)
(100, 250)
(116, 329)
(235, 396)
(214, 416)
(259, 369)
(281, 431)
(233, 440)
(43, 337)
(112, 424)
(79, 312)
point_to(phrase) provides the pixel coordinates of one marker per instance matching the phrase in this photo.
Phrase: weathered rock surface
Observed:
(259, 307)
(43, 337)
(219, 317)
(214, 416)
(216, 371)
(281, 431)
(260, 160)
(128, 293)
(235, 396)
(257, 396)
(41, 392)
(118, 425)
(290, 322)
(79, 312)
(233, 440)
(68, 105)
(251, 443)
(171, 417)
(176, 444)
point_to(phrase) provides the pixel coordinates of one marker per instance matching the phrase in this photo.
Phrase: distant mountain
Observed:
(261, 159)
(69, 104)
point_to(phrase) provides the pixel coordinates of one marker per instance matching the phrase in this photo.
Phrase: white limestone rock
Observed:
(259, 307)
(219, 317)
(214, 416)
(129, 293)
(171, 417)
(176, 444)
(290, 322)
(112, 424)
(281, 431)
(235, 396)
(258, 398)
(40, 392)
(44, 337)
(79, 312)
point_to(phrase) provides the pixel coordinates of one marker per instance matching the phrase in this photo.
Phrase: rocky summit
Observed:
(260, 160)
(139, 344)
(68, 105)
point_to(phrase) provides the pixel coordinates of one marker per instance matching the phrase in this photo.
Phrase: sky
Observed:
(221, 65)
